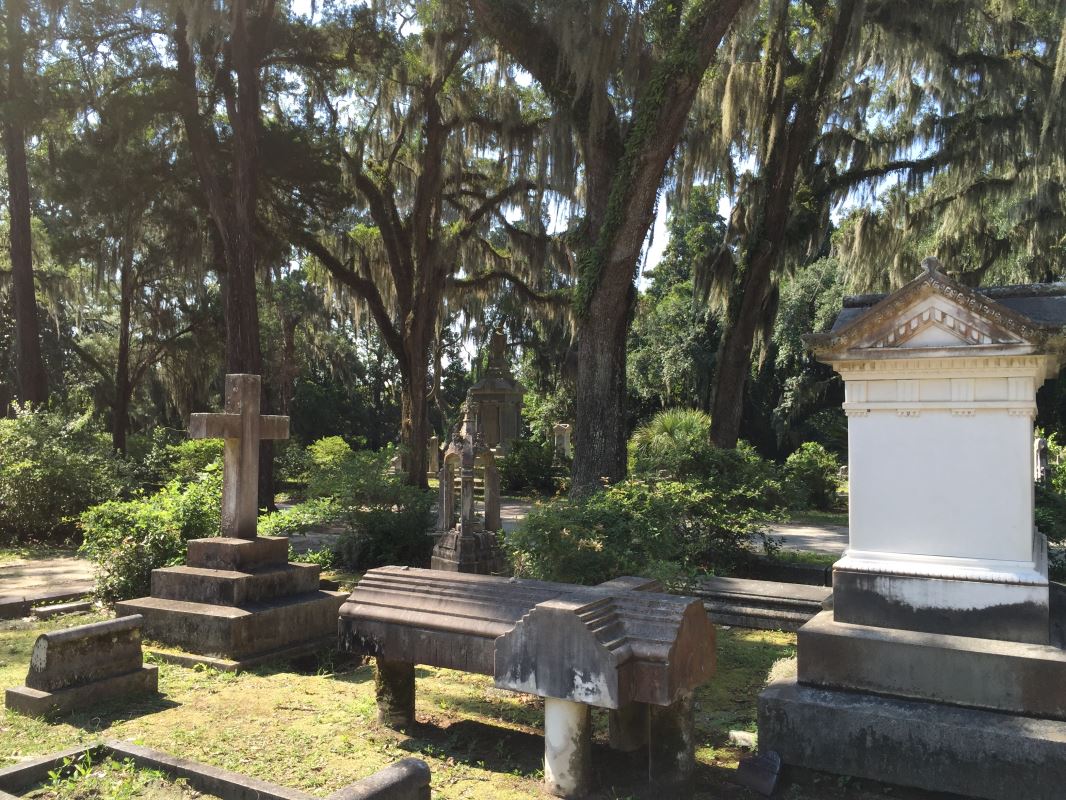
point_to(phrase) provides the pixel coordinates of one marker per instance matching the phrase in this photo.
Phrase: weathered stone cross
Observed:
(242, 426)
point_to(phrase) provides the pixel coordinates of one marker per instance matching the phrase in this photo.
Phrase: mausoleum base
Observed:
(238, 603)
(938, 747)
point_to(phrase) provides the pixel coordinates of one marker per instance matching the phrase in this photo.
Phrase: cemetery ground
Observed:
(312, 726)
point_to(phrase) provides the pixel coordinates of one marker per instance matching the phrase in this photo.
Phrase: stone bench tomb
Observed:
(622, 645)
(77, 667)
(238, 601)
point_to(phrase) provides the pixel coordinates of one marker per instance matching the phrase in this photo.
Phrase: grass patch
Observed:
(807, 558)
(317, 730)
(10, 553)
(819, 518)
(81, 779)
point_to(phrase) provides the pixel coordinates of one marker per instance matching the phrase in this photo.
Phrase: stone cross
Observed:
(242, 426)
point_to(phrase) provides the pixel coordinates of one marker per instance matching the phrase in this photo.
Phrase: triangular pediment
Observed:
(932, 312)
(934, 321)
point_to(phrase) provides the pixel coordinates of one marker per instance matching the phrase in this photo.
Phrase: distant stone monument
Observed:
(468, 544)
(78, 667)
(433, 456)
(1040, 459)
(563, 451)
(238, 602)
(941, 664)
(498, 398)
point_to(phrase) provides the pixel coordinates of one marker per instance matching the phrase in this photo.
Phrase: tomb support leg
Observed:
(628, 727)
(394, 685)
(567, 748)
(672, 744)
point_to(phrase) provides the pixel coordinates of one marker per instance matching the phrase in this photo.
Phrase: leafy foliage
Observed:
(670, 530)
(527, 467)
(811, 477)
(674, 442)
(52, 468)
(126, 540)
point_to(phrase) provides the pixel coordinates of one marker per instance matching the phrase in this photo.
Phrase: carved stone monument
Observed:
(433, 456)
(468, 544)
(239, 601)
(940, 664)
(623, 645)
(498, 398)
(563, 451)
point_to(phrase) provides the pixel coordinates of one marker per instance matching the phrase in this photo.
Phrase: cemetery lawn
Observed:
(113, 780)
(315, 729)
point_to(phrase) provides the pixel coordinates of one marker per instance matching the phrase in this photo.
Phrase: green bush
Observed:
(126, 540)
(51, 469)
(331, 463)
(666, 529)
(189, 458)
(299, 519)
(811, 477)
(527, 467)
(674, 443)
(388, 520)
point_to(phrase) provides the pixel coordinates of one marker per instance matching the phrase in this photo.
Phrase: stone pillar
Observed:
(394, 687)
(567, 748)
(433, 455)
(445, 496)
(672, 744)
(628, 727)
(492, 496)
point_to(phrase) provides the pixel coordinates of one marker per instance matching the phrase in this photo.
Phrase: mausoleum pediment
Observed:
(933, 312)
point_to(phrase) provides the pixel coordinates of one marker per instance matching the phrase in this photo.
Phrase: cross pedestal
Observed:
(238, 601)
(242, 427)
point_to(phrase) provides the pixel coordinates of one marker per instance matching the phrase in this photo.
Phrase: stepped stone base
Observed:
(769, 605)
(238, 602)
(938, 747)
(474, 552)
(1012, 677)
(38, 703)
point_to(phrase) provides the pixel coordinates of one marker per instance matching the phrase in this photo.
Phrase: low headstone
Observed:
(238, 601)
(760, 772)
(622, 645)
(937, 664)
(76, 667)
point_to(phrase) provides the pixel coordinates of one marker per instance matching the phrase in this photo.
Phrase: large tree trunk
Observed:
(32, 378)
(735, 349)
(600, 427)
(414, 428)
(120, 412)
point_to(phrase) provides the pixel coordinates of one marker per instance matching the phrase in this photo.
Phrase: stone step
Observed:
(767, 605)
(47, 612)
(232, 587)
(236, 631)
(220, 552)
(20, 605)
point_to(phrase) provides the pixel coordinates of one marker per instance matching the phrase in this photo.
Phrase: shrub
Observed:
(331, 462)
(51, 469)
(670, 530)
(675, 443)
(299, 519)
(189, 458)
(811, 477)
(126, 540)
(527, 467)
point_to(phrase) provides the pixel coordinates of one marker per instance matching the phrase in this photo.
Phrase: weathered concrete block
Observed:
(1019, 612)
(85, 654)
(233, 588)
(239, 555)
(35, 703)
(82, 665)
(238, 631)
(59, 609)
(769, 605)
(982, 673)
(970, 752)
(405, 780)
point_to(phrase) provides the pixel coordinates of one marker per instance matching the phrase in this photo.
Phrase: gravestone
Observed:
(78, 667)
(238, 601)
(563, 451)
(497, 398)
(468, 544)
(936, 665)
(622, 645)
